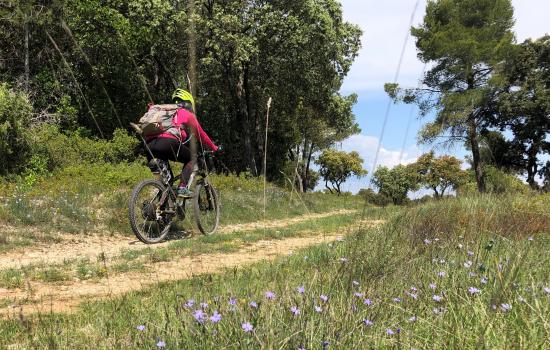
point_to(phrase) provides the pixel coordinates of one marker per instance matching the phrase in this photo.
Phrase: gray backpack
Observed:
(159, 119)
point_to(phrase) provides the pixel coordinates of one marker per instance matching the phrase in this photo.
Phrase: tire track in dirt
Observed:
(44, 298)
(92, 246)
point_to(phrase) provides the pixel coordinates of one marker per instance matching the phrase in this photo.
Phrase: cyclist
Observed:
(166, 146)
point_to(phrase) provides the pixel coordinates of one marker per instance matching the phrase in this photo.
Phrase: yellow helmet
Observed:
(183, 95)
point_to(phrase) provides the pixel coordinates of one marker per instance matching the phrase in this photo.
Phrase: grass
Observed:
(458, 286)
(94, 197)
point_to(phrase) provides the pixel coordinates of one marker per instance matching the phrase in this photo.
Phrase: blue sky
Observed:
(385, 25)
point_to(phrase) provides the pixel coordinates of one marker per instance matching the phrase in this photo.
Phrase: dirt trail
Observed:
(91, 246)
(61, 298)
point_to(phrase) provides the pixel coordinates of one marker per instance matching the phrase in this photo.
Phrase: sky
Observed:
(385, 26)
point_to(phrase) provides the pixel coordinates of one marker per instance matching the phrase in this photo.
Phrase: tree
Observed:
(395, 183)
(464, 40)
(338, 166)
(522, 105)
(439, 174)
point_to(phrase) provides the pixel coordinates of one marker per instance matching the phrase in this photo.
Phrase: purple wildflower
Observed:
(204, 305)
(359, 295)
(483, 280)
(441, 274)
(397, 300)
(140, 327)
(232, 301)
(367, 302)
(216, 317)
(253, 304)
(301, 289)
(161, 344)
(247, 327)
(437, 298)
(473, 290)
(295, 311)
(468, 264)
(270, 295)
(389, 331)
(412, 295)
(324, 298)
(412, 319)
(413, 289)
(368, 322)
(505, 307)
(199, 315)
(470, 253)
(318, 309)
(546, 290)
(433, 286)
(190, 303)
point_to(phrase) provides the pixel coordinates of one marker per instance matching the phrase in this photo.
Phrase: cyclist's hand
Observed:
(219, 151)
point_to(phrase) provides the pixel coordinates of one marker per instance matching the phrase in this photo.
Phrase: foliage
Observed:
(498, 182)
(338, 166)
(15, 113)
(66, 149)
(464, 40)
(95, 65)
(396, 183)
(372, 197)
(522, 105)
(439, 174)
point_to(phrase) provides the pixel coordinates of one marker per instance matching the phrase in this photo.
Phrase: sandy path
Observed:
(61, 298)
(91, 246)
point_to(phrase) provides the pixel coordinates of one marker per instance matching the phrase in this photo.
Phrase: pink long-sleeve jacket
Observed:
(185, 118)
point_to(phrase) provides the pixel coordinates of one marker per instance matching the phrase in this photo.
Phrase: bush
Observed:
(15, 113)
(375, 198)
(62, 150)
(496, 182)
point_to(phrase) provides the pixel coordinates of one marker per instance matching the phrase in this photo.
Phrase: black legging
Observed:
(170, 149)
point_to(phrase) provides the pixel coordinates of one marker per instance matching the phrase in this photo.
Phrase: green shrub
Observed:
(375, 198)
(63, 150)
(496, 181)
(15, 113)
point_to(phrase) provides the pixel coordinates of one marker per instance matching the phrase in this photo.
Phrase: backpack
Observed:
(158, 120)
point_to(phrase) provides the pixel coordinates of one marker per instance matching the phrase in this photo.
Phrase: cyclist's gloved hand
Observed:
(219, 151)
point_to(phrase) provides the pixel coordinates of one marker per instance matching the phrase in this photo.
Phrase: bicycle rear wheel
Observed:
(206, 207)
(150, 219)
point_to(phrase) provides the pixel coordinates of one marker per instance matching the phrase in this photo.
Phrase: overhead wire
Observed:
(395, 79)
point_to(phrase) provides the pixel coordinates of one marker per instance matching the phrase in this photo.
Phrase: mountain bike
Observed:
(154, 204)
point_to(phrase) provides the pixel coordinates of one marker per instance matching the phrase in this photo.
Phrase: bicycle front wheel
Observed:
(206, 207)
(150, 215)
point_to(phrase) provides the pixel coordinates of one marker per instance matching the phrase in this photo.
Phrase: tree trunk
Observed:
(242, 114)
(474, 144)
(308, 164)
(192, 49)
(532, 168)
(27, 55)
